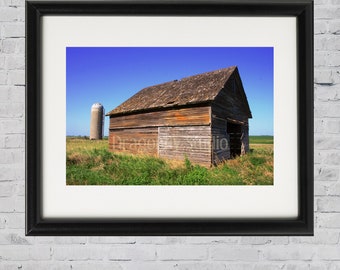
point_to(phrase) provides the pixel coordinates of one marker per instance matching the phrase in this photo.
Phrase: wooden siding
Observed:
(220, 137)
(134, 141)
(221, 134)
(229, 106)
(181, 117)
(230, 102)
(193, 142)
(245, 139)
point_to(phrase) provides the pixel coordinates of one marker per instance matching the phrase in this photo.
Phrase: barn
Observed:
(202, 117)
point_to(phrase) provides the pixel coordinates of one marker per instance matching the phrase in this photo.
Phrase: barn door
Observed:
(235, 136)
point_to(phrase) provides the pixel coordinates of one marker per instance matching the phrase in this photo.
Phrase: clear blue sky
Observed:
(110, 75)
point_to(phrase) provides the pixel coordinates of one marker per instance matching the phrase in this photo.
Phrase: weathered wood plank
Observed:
(220, 145)
(180, 117)
(231, 102)
(181, 142)
(245, 139)
(217, 122)
(134, 141)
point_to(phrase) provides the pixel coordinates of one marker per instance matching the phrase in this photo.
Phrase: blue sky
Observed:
(110, 75)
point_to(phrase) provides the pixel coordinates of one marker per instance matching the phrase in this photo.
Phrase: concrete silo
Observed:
(97, 122)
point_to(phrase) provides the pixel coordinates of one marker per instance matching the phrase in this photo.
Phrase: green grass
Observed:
(261, 139)
(90, 163)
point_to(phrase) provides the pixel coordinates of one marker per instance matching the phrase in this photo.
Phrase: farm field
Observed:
(90, 163)
(261, 139)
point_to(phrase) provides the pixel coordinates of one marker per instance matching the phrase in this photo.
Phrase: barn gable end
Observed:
(202, 117)
(229, 116)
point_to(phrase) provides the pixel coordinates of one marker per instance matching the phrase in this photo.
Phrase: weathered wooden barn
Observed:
(202, 117)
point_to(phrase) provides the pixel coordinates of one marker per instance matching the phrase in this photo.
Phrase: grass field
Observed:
(90, 163)
(261, 139)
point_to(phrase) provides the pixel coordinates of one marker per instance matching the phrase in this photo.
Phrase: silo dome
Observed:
(97, 122)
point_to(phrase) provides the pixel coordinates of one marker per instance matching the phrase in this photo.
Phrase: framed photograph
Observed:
(169, 118)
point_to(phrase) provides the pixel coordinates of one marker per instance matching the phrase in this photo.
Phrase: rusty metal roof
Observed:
(191, 90)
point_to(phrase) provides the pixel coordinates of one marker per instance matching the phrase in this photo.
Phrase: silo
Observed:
(97, 122)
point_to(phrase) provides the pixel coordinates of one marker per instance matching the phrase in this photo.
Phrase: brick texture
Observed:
(321, 252)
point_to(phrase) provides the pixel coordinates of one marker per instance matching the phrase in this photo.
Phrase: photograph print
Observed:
(169, 116)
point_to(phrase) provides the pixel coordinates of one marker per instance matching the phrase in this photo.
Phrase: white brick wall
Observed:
(321, 252)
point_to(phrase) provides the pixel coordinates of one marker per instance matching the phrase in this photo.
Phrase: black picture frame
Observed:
(302, 225)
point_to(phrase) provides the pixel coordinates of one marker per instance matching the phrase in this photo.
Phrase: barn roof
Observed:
(197, 89)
